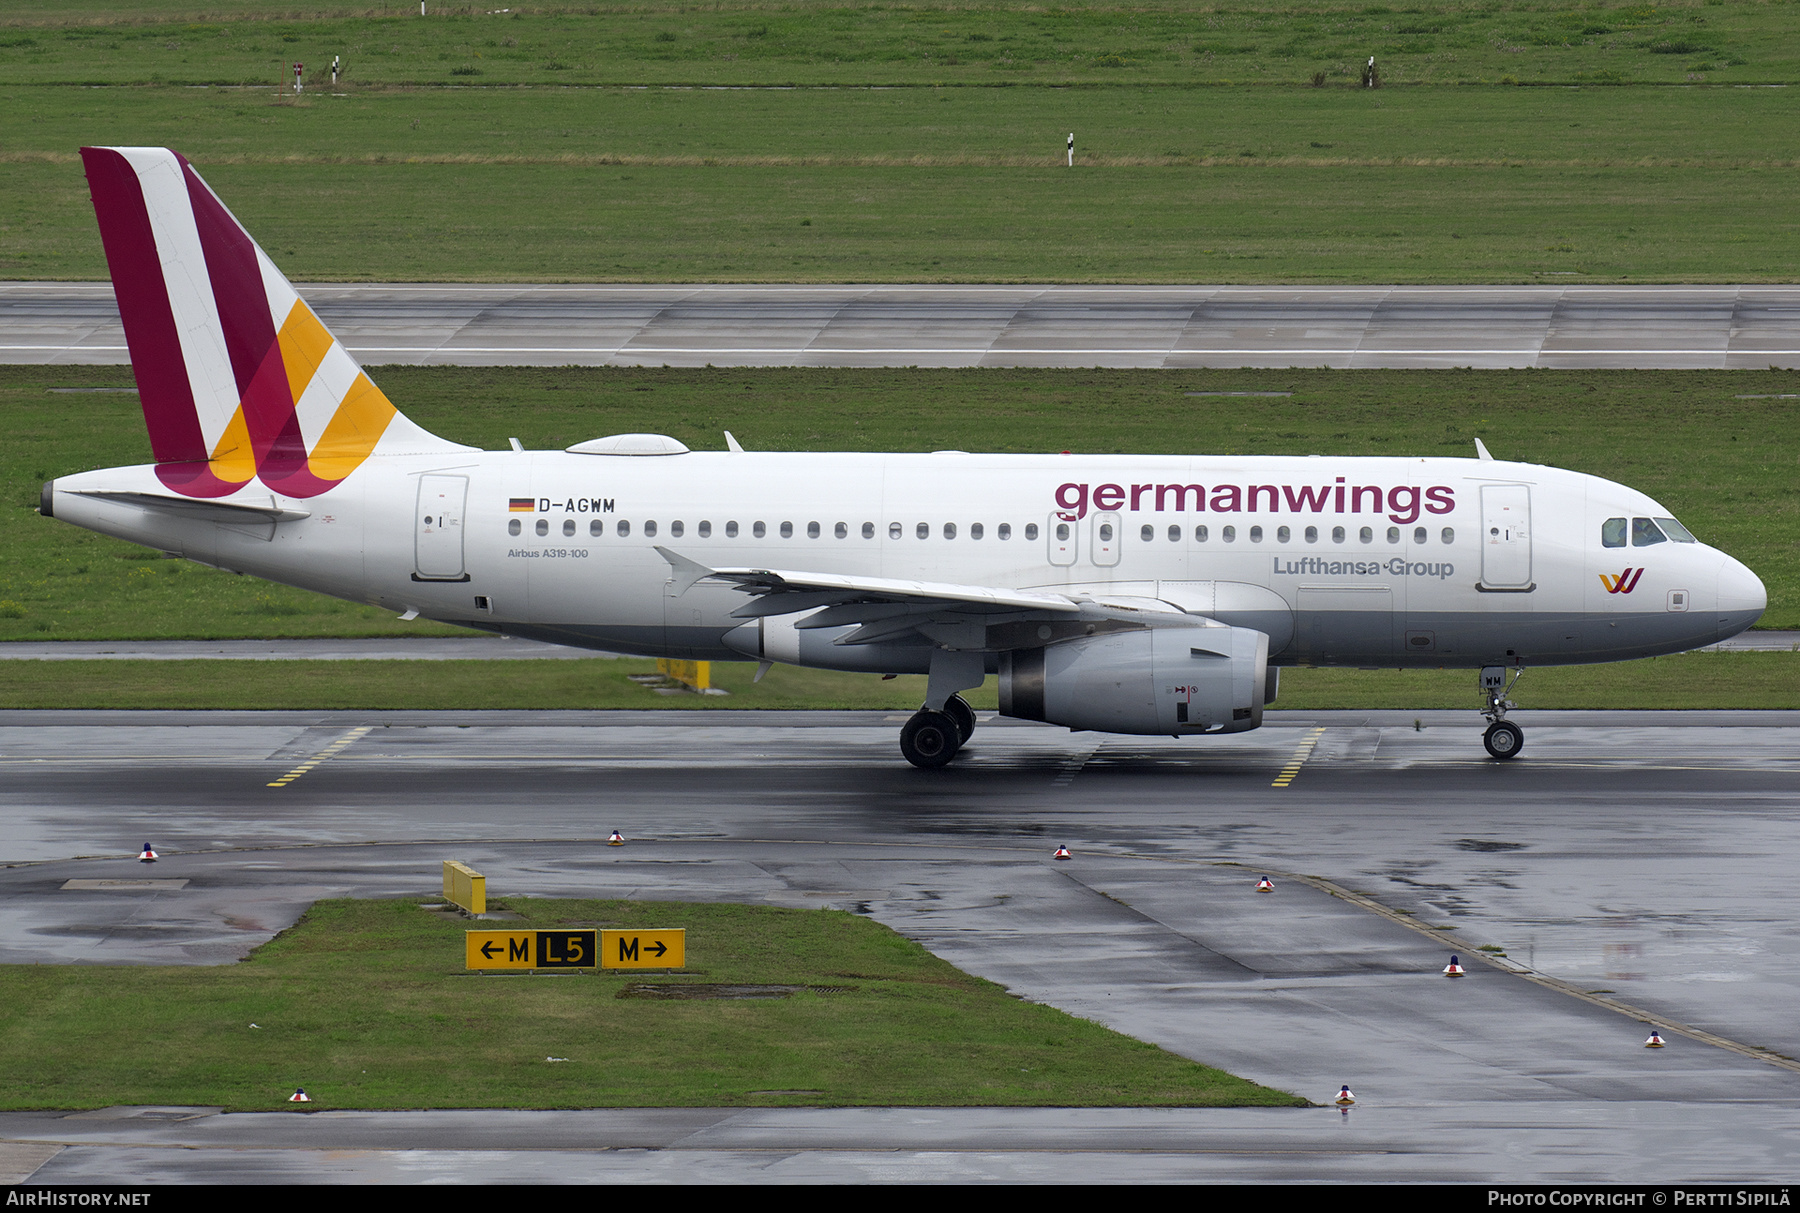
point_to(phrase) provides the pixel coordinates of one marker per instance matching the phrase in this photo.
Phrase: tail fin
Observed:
(238, 379)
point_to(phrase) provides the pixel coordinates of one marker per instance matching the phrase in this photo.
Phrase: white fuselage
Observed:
(1342, 561)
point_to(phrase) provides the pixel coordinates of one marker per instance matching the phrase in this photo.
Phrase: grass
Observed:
(366, 1005)
(1692, 681)
(1729, 467)
(1173, 185)
(833, 42)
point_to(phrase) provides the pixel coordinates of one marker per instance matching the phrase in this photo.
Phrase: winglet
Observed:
(1481, 451)
(683, 573)
(731, 444)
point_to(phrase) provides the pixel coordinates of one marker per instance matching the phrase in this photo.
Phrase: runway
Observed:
(1749, 327)
(1634, 868)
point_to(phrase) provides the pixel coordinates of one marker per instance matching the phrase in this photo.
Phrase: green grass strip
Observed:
(1428, 185)
(834, 42)
(366, 1004)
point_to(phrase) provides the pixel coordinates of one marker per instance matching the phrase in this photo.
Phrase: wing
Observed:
(883, 609)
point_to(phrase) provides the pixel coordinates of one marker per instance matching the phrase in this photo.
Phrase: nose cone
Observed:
(1742, 598)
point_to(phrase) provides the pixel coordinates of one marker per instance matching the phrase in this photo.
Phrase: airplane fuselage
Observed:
(1341, 561)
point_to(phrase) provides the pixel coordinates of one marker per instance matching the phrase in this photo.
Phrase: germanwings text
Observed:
(1401, 504)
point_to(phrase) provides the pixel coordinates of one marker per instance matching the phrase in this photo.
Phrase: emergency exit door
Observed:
(438, 529)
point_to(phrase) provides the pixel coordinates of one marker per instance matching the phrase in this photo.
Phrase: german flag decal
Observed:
(521, 505)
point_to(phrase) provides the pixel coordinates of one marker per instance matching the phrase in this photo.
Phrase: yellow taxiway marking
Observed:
(330, 751)
(1302, 752)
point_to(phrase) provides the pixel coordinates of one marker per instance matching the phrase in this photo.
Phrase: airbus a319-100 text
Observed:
(1125, 594)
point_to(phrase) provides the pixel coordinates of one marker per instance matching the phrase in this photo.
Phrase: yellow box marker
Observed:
(665, 949)
(694, 674)
(465, 887)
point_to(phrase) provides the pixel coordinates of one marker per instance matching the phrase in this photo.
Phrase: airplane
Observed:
(1153, 595)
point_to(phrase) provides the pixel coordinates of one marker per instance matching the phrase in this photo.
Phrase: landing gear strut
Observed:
(931, 739)
(1503, 738)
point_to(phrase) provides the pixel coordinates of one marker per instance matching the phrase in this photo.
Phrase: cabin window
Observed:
(675, 529)
(841, 530)
(1644, 533)
(812, 530)
(1674, 530)
(543, 526)
(1062, 532)
(1449, 534)
(705, 529)
(596, 528)
(1174, 533)
(731, 530)
(1200, 534)
(949, 530)
(975, 531)
(787, 530)
(1031, 530)
(1337, 534)
(1312, 534)
(1612, 533)
(1255, 534)
(868, 530)
(650, 529)
(1367, 534)
(1228, 534)
(624, 528)
(1005, 530)
(1393, 534)
(894, 530)
(513, 527)
(923, 530)
(1420, 534)
(568, 526)
(1282, 534)
(758, 529)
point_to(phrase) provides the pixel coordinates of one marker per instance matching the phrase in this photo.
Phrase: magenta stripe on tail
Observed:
(163, 388)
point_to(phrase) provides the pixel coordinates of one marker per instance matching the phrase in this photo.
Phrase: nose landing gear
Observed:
(931, 739)
(1503, 738)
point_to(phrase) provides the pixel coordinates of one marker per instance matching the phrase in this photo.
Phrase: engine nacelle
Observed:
(1164, 680)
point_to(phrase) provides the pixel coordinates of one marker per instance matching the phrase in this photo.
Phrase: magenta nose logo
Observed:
(1624, 583)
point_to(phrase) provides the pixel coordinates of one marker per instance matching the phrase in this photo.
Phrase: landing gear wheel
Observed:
(957, 708)
(930, 739)
(1504, 739)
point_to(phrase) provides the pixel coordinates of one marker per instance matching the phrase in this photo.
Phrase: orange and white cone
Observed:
(1454, 968)
(1344, 1098)
(147, 855)
(617, 839)
(299, 1096)
(1062, 853)
(1655, 1041)
(1265, 885)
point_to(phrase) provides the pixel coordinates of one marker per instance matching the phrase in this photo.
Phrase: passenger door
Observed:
(1506, 537)
(438, 539)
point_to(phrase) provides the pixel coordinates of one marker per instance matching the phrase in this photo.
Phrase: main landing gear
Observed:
(1503, 738)
(931, 739)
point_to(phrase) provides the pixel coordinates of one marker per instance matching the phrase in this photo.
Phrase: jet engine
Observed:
(1162, 680)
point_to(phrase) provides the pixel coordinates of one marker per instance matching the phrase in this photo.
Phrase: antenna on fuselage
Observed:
(731, 444)
(1481, 451)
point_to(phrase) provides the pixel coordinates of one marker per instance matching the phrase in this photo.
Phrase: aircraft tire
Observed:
(930, 739)
(1504, 739)
(957, 708)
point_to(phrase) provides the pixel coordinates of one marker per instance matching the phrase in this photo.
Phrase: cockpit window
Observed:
(1644, 533)
(1612, 533)
(1674, 530)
